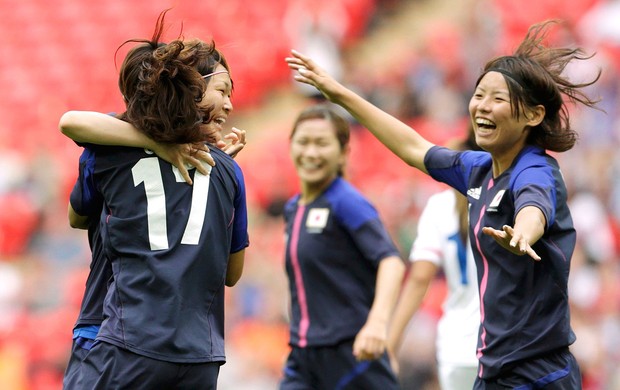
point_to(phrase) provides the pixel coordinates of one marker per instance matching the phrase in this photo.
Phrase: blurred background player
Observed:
(442, 245)
(344, 271)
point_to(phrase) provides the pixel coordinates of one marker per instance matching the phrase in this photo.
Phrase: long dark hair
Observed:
(534, 77)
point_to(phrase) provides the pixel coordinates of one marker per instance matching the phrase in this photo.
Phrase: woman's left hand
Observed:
(511, 240)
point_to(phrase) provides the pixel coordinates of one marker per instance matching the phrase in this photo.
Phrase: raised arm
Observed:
(401, 139)
(102, 129)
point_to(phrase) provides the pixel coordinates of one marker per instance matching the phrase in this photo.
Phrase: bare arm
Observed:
(529, 226)
(77, 221)
(102, 129)
(370, 341)
(235, 267)
(401, 139)
(420, 277)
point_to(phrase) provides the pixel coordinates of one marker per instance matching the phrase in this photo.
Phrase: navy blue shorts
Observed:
(555, 371)
(79, 349)
(335, 368)
(107, 366)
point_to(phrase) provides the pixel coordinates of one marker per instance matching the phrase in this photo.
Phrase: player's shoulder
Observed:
(223, 159)
(218, 154)
(348, 203)
(342, 191)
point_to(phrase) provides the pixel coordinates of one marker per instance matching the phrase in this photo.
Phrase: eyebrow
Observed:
(494, 91)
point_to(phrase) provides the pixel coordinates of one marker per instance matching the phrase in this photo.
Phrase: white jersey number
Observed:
(147, 171)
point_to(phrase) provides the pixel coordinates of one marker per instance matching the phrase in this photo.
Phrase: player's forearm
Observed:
(409, 303)
(411, 298)
(397, 136)
(389, 279)
(102, 129)
(530, 222)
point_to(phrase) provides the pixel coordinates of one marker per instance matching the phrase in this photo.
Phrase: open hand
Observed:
(236, 142)
(309, 72)
(511, 240)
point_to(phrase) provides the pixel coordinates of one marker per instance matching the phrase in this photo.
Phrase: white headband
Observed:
(214, 73)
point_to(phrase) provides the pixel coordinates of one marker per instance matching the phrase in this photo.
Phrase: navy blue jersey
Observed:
(168, 244)
(86, 201)
(524, 303)
(334, 246)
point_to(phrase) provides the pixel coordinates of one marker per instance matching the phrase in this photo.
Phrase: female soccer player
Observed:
(517, 200)
(344, 271)
(172, 247)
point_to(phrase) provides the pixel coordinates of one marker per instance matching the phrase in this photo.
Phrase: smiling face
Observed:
(217, 94)
(496, 129)
(317, 155)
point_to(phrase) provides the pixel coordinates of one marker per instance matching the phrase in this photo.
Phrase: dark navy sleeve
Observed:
(85, 199)
(535, 186)
(359, 217)
(240, 237)
(453, 167)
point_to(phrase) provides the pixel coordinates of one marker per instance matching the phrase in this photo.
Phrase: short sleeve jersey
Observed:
(439, 241)
(168, 244)
(86, 201)
(333, 249)
(524, 303)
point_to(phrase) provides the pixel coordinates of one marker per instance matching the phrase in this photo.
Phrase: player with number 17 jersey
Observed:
(169, 252)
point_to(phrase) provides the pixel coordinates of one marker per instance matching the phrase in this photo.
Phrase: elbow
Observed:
(78, 224)
(64, 122)
(65, 125)
(73, 223)
(235, 268)
(69, 125)
(232, 280)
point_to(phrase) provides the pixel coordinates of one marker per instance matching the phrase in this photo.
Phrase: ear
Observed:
(347, 150)
(535, 115)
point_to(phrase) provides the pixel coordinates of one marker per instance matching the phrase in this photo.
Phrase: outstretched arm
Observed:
(102, 129)
(370, 342)
(401, 139)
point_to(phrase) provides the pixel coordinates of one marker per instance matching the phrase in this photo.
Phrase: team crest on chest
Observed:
(496, 200)
(317, 219)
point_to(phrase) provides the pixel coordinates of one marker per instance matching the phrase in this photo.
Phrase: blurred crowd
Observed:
(423, 75)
